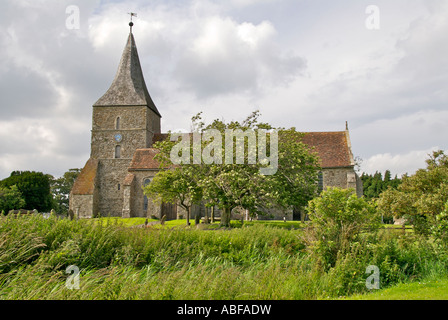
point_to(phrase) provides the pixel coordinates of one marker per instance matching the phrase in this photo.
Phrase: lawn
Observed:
(422, 290)
(129, 222)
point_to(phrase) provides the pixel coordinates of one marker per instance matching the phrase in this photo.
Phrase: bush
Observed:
(338, 220)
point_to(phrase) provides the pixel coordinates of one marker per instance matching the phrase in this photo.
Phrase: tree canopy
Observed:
(374, 185)
(34, 187)
(61, 187)
(244, 164)
(420, 197)
(11, 199)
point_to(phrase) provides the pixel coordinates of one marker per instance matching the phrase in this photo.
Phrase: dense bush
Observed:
(338, 221)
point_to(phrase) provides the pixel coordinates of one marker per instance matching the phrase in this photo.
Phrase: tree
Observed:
(337, 220)
(35, 189)
(374, 184)
(11, 199)
(61, 187)
(219, 160)
(422, 196)
(176, 185)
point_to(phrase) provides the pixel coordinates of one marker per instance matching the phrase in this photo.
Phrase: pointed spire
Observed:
(128, 87)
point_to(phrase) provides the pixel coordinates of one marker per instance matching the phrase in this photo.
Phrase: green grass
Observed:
(128, 222)
(183, 223)
(422, 290)
(257, 260)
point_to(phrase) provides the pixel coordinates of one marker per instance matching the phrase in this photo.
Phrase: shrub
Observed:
(338, 220)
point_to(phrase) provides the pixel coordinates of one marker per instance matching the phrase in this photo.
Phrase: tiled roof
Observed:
(333, 149)
(85, 183)
(128, 179)
(144, 159)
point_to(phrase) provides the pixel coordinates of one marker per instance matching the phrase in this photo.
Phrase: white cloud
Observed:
(302, 64)
(227, 57)
(398, 164)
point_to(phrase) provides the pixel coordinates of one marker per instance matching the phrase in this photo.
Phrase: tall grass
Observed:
(252, 262)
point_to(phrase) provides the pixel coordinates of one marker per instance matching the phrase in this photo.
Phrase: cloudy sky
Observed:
(309, 64)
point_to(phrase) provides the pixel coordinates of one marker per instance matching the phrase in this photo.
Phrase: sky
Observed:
(310, 64)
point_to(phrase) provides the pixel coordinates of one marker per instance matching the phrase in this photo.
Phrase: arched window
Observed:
(145, 199)
(117, 123)
(117, 152)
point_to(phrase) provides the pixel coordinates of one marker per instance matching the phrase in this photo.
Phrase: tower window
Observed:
(119, 187)
(117, 123)
(117, 152)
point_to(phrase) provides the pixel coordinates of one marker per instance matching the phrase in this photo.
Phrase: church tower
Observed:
(124, 119)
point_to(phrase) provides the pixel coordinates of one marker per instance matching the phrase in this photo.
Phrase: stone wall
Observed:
(137, 126)
(111, 174)
(344, 178)
(138, 196)
(82, 206)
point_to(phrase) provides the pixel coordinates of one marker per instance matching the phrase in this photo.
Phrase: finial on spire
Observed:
(131, 24)
(346, 125)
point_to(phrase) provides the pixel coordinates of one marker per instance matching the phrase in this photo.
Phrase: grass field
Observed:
(259, 260)
(422, 290)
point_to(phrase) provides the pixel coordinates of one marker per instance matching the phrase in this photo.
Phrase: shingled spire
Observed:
(128, 87)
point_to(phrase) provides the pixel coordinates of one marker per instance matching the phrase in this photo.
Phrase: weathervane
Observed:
(131, 24)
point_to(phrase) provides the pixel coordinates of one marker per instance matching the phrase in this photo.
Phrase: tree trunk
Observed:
(188, 215)
(213, 214)
(206, 216)
(225, 217)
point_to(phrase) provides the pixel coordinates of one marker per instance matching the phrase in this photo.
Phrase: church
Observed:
(125, 125)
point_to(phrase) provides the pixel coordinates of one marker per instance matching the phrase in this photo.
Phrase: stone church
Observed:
(126, 123)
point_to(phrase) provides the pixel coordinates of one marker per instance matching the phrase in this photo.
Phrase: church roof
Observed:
(332, 148)
(129, 87)
(85, 183)
(144, 160)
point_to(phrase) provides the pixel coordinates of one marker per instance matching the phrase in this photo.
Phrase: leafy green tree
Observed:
(11, 199)
(61, 187)
(420, 197)
(338, 219)
(177, 185)
(375, 184)
(34, 187)
(229, 184)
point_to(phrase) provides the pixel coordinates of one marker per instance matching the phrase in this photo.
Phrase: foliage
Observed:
(440, 228)
(11, 199)
(176, 185)
(374, 184)
(420, 197)
(252, 262)
(230, 185)
(61, 187)
(338, 220)
(35, 189)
